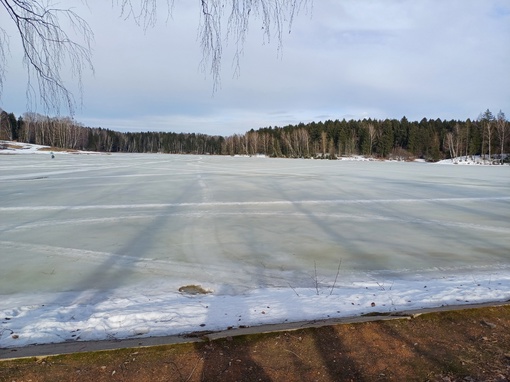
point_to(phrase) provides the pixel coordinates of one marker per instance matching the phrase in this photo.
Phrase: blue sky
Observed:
(343, 59)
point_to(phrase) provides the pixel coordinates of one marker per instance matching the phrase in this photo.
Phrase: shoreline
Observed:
(61, 348)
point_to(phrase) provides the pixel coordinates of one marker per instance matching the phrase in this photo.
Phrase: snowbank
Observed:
(152, 310)
(471, 160)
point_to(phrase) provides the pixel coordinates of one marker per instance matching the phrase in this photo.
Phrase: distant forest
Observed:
(429, 139)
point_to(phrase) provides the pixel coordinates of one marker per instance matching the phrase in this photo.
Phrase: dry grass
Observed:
(11, 146)
(57, 149)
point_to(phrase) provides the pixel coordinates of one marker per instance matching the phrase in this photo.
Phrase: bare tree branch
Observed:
(4, 50)
(276, 18)
(143, 12)
(48, 50)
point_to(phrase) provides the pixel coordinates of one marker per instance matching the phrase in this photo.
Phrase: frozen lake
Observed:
(84, 227)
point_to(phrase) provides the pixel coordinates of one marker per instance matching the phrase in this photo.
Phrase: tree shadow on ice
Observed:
(240, 364)
(119, 268)
(347, 244)
(235, 363)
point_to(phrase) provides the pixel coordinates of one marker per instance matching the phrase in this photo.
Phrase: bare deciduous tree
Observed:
(487, 120)
(49, 46)
(372, 135)
(501, 127)
(453, 142)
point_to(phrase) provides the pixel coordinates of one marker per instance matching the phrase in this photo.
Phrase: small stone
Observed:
(372, 304)
(15, 336)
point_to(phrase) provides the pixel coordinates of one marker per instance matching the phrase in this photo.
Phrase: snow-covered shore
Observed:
(8, 147)
(471, 160)
(153, 310)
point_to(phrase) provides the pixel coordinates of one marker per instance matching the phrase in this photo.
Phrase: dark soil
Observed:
(464, 345)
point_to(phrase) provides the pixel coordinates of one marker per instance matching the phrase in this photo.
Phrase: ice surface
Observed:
(97, 246)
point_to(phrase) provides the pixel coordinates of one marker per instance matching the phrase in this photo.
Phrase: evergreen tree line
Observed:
(430, 139)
